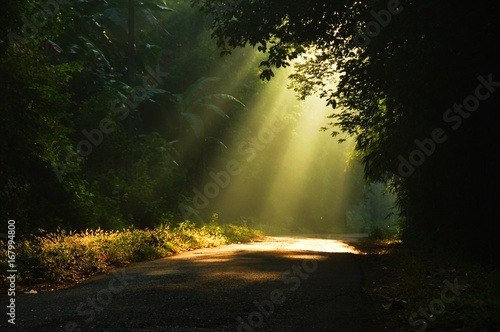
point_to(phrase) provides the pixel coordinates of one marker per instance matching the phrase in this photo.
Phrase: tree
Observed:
(75, 150)
(34, 126)
(375, 213)
(200, 110)
(392, 80)
(61, 74)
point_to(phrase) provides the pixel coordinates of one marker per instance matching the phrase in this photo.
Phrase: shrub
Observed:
(63, 256)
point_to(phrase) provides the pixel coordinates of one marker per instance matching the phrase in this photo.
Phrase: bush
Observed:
(374, 215)
(63, 256)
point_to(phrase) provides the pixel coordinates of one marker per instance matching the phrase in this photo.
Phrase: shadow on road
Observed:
(264, 286)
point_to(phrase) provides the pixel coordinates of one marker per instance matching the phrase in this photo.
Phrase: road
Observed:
(278, 284)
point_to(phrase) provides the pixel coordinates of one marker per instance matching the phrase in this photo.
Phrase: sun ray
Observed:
(290, 174)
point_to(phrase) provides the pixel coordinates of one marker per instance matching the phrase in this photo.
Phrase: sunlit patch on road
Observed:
(302, 243)
(321, 245)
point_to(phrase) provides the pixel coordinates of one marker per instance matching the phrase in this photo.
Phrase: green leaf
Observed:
(196, 123)
(122, 86)
(164, 8)
(98, 54)
(332, 102)
(116, 17)
(215, 141)
(152, 92)
(214, 109)
(56, 47)
(194, 90)
(219, 97)
(174, 98)
(154, 6)
(154, 21)
(74, 49)
(201, 84)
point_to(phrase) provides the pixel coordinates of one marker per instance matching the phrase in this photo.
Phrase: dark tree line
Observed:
(113, 111)
(110, 114)
(417, 87)
(108, 111)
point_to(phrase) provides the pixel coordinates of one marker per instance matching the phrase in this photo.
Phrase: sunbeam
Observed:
(290, 174)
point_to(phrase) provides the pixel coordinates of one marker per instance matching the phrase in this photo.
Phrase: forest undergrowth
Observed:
(415, 291)
(50, 260)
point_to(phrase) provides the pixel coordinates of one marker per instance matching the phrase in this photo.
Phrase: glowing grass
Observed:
(70, 257)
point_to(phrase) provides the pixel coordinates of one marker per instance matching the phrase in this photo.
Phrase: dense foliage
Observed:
(101, 118)
(115, 112)
(414, 82)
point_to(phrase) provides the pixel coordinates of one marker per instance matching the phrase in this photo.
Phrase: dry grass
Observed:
(61, 257)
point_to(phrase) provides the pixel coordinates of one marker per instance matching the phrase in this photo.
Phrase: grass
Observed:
(410, 291)
(61, 257)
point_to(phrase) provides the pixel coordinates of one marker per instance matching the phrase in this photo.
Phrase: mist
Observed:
(280, 169)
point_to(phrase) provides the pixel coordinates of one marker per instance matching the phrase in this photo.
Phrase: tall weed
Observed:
(62, 256)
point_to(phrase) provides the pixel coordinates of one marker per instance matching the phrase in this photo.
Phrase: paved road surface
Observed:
(280, 284)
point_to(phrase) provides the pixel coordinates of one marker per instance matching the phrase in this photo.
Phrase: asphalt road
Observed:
(280, 284)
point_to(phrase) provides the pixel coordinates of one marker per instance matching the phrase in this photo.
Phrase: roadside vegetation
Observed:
(415, 291)
(55, 259)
